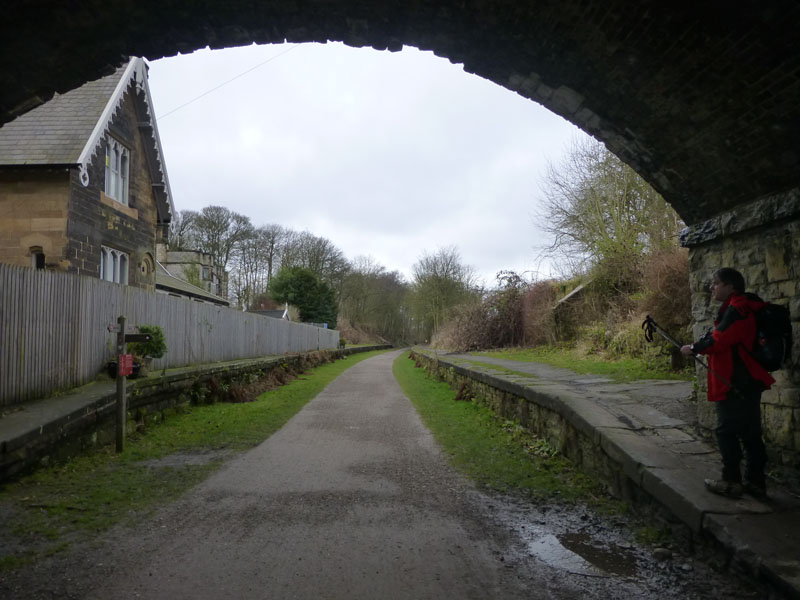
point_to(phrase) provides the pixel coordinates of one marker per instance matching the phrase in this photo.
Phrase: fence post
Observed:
(121, 379)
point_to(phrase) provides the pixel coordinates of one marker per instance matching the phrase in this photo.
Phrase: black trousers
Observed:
(739, 426)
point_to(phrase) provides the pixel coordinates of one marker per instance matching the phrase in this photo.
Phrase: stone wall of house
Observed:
(762, 240)
(97, 220)
(196, 267)
(34, 215)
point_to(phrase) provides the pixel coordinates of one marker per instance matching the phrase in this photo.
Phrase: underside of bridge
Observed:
(702, 99)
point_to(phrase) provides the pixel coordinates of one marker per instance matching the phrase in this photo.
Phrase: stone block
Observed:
(778, 258)
(524, 84)
(684, 496)
(787, 289)
(635, 452)
(777, 422)
(754, 275)
(706, 414)
(543, 92)
(587, 120)
(764, 542)
(565, 100)
(789, 397)
(748, 255)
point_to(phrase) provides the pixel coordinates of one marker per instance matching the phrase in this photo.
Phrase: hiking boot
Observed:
(755, 490)
(730, 489)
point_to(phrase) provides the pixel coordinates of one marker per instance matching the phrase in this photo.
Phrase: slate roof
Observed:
(68, 130)
(56, 132)
(168, 282)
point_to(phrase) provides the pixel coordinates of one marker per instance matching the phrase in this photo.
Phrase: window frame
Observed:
(117, 171)
(114, 265)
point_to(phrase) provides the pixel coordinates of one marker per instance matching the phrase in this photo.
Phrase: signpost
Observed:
(125, 368)
(121, 409)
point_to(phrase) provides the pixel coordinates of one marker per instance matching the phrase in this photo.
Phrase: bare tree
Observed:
(271, 239)
(603, 216)
(317, 254)
(374, 300)
(218, 230)
(441, 282)
(181, 230)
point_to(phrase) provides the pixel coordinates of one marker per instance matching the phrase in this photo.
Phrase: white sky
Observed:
(385, 154)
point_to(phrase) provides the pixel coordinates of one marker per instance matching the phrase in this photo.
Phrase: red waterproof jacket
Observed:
(734, 332)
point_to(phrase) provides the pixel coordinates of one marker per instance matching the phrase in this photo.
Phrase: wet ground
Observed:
(598, 556)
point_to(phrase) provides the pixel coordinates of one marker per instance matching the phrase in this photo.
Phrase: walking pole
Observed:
(650, 327)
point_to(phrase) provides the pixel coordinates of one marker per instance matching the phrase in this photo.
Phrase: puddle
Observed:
(580, 554)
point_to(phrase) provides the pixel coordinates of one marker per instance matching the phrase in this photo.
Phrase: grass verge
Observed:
(92, 492)
(621, 370)
(495, 453)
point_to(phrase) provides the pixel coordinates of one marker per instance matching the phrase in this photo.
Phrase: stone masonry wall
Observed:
(96, 220)
(767, 252)
(34, 214)
(536, 416)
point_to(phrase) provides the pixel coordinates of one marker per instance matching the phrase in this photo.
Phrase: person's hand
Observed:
(686, 350)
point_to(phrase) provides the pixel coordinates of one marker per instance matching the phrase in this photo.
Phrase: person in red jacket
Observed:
(735, 383)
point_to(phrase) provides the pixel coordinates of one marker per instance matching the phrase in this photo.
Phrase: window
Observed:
(113, 265)
(37, 257)
(147, 265)
(117, 171)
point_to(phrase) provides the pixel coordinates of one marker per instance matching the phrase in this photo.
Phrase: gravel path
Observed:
(353, 499)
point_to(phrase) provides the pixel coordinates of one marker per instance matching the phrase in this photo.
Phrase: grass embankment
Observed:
(620, 370)
(93, 492)
(495, 453)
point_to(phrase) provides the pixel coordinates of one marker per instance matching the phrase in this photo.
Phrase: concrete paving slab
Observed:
(636, 452)
(649, 416)
(683, 492)
(672, 435)
(693, 448)
(584, 413)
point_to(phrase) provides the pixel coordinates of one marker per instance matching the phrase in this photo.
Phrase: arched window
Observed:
(117, 171)
(146, 265)
(113, 265)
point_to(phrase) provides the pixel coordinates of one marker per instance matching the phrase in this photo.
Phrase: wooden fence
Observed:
(54, 330)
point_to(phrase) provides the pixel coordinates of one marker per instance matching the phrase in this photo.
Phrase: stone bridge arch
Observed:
(701, 100)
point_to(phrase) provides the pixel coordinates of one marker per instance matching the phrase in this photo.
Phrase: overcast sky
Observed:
(385, 154)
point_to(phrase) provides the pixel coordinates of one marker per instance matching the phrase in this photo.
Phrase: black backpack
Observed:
(773, 345)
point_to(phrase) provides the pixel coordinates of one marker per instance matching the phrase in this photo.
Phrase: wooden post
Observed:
(121, 379)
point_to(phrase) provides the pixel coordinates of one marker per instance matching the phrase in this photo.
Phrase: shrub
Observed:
(668, 299)
(538, 321)
(465, 331)
(155, 348)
